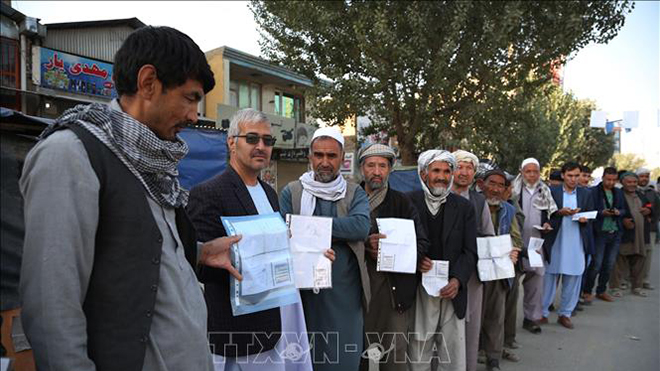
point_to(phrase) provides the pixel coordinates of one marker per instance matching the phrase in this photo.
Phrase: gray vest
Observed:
(356, 246)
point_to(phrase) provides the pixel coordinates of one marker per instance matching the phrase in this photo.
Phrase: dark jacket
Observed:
(226, 195)
(398, 205)
(459, 240)
(122, 290)
(585, 203)
(600, 204)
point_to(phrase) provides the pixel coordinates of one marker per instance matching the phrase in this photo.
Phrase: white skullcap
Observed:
(642, 170)
(528, 161)
(465, 156)
(329, 131)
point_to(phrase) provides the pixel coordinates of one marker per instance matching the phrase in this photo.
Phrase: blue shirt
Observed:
(260, 199)
(567, 251)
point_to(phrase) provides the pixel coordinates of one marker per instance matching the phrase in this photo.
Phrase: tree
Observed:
(417, 68)
(627, 161)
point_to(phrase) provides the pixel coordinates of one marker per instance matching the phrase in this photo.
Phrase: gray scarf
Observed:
(544, 201)
(152, 160)
(377, 197)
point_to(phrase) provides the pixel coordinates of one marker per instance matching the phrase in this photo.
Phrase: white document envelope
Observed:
(398, 251)
(264, 253)
(494, 262)
(586, 215)
(533, 252)
(309, 238)
(437, 278)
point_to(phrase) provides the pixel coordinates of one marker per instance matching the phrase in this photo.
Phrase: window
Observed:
(289, 106)
(10, 72)
(245, 95)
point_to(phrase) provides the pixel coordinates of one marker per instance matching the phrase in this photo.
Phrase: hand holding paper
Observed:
(397, 252)
(310, 241)
(436, 278)
(534, 252)
(586, 215)
(494, 258)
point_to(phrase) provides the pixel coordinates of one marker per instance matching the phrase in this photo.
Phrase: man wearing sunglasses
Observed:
(237, 340)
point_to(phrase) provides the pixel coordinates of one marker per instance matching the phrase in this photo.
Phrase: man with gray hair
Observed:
(466, 166)
(392, 294)
(334, 316)
(653, 198)
(450, 225)
(535, 201)
(238, 191)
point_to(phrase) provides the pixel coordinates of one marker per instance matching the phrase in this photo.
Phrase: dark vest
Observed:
(121, 296)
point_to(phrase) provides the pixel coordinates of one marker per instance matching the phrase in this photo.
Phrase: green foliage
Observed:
(424, 70)
(627, 161)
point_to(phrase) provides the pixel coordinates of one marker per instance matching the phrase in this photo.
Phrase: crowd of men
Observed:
(115, 249)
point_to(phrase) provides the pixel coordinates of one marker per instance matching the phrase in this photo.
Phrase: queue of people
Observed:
(112, 264)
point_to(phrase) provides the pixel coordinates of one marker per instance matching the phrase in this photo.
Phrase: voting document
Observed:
(494, 262)
(262, 256)
(534, 252)
(437, 278)
(398, 251)
(586, 215)
(309, 238)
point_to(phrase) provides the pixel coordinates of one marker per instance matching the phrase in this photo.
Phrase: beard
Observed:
(376, 183)
(493, 201)
(438, 191)
(324, 176)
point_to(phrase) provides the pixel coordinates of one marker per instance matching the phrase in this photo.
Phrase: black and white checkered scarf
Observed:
(152, 160)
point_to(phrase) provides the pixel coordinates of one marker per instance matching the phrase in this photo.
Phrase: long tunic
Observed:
(568, 251)
(334, 317)
(637, 246)
(532, 218)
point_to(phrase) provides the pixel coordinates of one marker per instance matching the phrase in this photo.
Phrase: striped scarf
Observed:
(152, 160)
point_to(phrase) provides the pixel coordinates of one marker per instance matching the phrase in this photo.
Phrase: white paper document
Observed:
(437, 278)
(540, 228)
(586, 214)
(398, 251)
(534, 252)
(309, 238)
(494, 262)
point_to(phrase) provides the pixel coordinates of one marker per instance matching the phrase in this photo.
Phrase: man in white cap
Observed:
(466, 166)
(334, 316)
(450, 225)
(536, 203)
(652, 197)
(392, 294)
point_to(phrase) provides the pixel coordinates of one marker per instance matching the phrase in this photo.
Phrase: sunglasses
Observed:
(252, 138)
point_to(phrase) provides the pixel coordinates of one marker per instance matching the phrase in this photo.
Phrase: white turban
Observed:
(329, 131)
(528, 161)
(434, 202)
(465, 156)
(642, 170)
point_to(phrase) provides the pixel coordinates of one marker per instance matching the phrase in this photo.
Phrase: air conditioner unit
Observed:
(29, 26)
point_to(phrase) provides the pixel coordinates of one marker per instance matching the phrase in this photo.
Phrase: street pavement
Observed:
(621, 336)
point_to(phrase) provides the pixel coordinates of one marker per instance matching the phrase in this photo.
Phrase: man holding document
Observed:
(505, 222)
(258, 339)
(335, 316)
(536, 203)
(566, 245)
(450, 225)
(392, 290)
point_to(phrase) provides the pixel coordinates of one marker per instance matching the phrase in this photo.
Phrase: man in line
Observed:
(392, 294)
(636, 237)
(450, 225)
(504, 220)
(466, 165)
(536, 203)
(653, 198)
(108, 280)
(566, 245)
(237, 340)
(585, 176)
(334, 316)
(608, 228)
